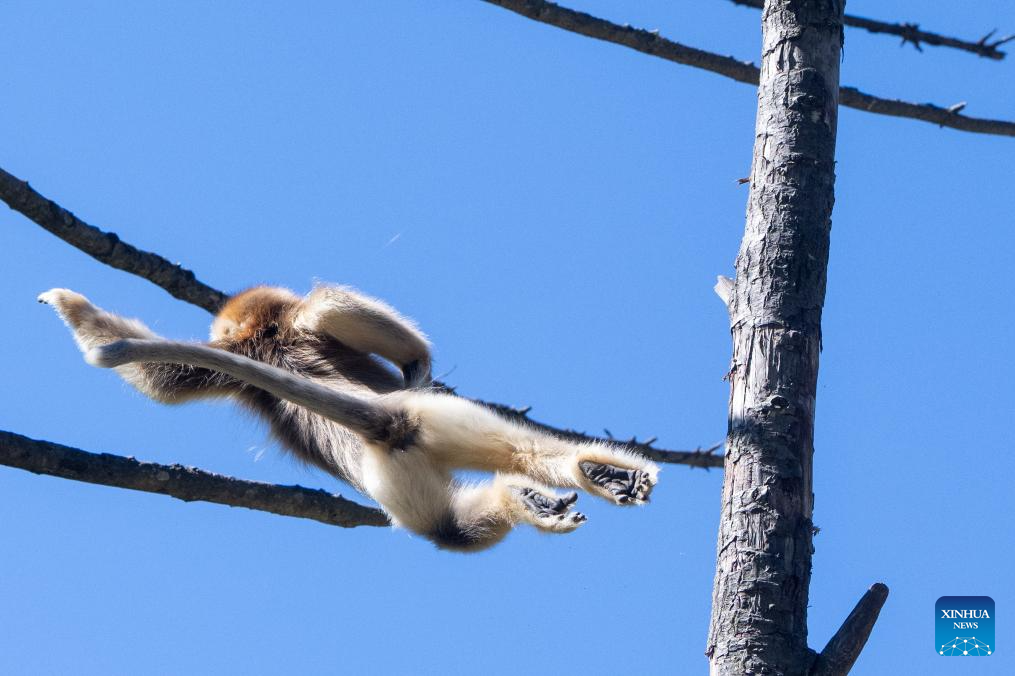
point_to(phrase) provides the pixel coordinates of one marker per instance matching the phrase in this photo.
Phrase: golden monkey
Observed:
(309, 367)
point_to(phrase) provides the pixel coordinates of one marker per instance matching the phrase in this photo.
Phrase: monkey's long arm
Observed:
(368, 325)
(168, 383)
(362, 416)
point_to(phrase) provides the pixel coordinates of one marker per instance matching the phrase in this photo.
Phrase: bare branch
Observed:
(910, 32)
(184, 483)
(650, 42)
(928, 112)
(705, 458)
(842, 650)
(106, 247)
(184, 285)
(638, 39)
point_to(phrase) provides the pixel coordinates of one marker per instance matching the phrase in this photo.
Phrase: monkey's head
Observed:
(251, 311)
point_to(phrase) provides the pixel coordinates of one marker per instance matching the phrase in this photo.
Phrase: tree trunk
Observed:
(759, 601)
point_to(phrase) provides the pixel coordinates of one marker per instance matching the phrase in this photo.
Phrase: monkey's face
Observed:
(248, 312)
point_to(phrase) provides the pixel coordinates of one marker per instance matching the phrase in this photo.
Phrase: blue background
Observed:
(945, 631)
(553, 210)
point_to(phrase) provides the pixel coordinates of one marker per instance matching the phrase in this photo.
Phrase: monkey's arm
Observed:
(168, 383)
(368, 325)
(363, 416)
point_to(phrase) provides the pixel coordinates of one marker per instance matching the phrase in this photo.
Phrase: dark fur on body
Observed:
(268, 335)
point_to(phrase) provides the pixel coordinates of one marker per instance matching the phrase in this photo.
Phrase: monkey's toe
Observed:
(49, 297)
(551, 513)
(565, 523)
(545, 505)
(561, 523)
(623, 486)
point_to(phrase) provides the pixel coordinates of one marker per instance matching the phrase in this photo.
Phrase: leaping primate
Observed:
(309, 367)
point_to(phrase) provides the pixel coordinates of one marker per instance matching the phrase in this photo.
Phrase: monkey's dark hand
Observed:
(416, 374)
(626, 486)
(550, 512)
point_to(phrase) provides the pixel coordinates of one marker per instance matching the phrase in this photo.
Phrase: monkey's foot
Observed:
(623, 486)
(550, 513)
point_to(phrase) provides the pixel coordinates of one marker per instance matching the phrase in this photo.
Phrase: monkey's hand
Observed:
(417, 373)
(108, 340)
(90, 325)
(72, 307)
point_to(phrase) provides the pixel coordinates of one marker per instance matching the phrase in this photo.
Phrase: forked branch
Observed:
(911, 33)
(842, 650)
(650, 42)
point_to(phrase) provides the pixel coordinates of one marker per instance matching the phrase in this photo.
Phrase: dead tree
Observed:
(763, 568)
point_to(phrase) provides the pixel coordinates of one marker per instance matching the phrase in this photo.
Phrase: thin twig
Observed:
(700, 457)
(650, 42)
(184, 285)
(842, 650)
(911, 33)
(184, 483)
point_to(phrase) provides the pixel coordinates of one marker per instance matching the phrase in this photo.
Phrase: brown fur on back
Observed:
(262, 319)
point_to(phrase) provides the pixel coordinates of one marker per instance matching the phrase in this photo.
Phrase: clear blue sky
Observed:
(553, 211)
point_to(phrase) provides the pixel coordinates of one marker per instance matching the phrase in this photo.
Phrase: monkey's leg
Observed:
(367, 325)
(169, 383)
(620, 477)
(419, 495)
(462, 434)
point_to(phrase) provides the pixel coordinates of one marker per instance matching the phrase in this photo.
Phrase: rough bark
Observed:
(184, 483)
(759, 601)
(650, 42)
